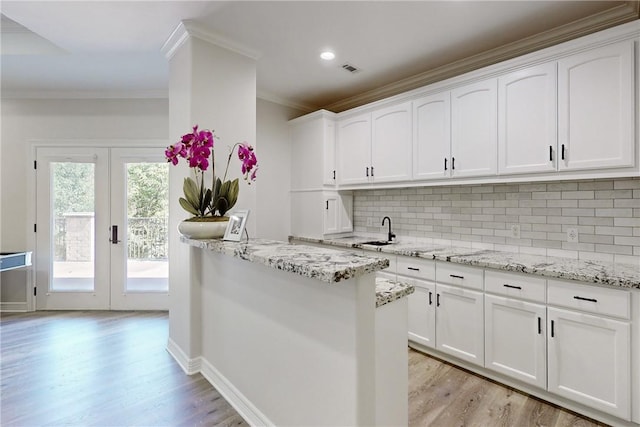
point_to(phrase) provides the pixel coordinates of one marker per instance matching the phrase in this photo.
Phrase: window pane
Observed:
(147, 221)
(73, 228)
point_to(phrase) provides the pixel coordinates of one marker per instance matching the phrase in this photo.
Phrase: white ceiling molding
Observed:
(615, 16)
(266, 96)
(128, 94)
(188, 28)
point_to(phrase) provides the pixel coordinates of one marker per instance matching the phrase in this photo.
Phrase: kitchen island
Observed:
(298, 335)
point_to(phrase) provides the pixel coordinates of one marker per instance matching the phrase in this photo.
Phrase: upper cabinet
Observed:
(474, 129)
(313, 151)
(375, 147)
(527, 120)
(432, 136)
(391, 143)
(354, 149)
(596, 108)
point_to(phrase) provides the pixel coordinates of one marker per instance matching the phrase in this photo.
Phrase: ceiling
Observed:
(113, 48)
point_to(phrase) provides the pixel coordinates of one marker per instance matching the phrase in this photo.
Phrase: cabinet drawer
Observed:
(416, 267)
(515, 285)
(593, 299)
(459, 275)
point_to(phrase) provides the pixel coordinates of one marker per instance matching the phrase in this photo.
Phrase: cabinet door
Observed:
(515, 341)
(527, 120)
(459, 323)
(331, 214)
(432, 136)
(596, 105)
(474, 129)
(354, 150)
(589, 360)
(329, 153)
(391, 143)
(422, 312)
(345, 217)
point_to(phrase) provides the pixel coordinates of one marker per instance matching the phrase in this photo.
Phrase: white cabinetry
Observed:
(515, 326)
(474, 129)
(337, 213)
(318, 213)
(589, 352)
(431, 136)
(422, 312)
(313, 150)
(596, 108)
(527, 120)
(354, 149)
(391, 143)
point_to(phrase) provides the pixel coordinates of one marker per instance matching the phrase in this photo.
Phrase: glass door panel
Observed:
(147, 196)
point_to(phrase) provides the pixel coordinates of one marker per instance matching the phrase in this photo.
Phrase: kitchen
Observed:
(446, 212)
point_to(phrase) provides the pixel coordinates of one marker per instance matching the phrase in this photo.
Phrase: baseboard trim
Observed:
(239, 401)
(188, 365)
(15, 307)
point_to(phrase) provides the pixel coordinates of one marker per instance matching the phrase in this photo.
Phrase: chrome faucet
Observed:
(390, 236)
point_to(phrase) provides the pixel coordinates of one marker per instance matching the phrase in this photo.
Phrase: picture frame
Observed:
(236, 225)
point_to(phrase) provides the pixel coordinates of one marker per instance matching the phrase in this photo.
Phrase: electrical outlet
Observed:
(369, 222)
(515, 231)
(572, 235)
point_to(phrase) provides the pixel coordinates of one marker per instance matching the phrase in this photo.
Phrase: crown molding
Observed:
(267, 96)
(75, 94)
(189, 28)
(612, 17)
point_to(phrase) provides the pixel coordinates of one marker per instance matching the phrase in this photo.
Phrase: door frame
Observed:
(32, 146)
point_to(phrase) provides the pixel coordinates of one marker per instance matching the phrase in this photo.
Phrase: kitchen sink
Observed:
(377, 243)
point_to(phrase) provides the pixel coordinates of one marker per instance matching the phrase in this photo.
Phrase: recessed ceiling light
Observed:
(327, 55)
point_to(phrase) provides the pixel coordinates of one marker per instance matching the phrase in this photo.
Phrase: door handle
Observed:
(114, 235)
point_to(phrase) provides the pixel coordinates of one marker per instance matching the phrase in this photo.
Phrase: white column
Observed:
(213, 85)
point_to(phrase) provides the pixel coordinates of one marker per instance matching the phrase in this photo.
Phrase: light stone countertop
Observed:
(389, 290)
(598, 272)
(325, 264)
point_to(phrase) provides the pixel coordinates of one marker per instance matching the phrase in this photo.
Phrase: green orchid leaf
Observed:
(234, 191)
(187, 206)
(191, 193)
(222, 206)
(206, 201)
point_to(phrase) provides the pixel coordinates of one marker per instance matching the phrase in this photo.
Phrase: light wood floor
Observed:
(111, 369)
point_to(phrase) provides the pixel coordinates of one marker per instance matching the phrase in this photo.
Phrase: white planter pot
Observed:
(212, 228)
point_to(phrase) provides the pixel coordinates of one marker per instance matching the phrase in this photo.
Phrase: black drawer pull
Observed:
(585, 299)
(437, 300)
(445, 163)
(553, 330)
(550, 153)
(371, 170)
(453, 163)
(430, 296)
(539, 326)
(367, 170)
(511, 286)
(562, 154)
(455, 276)
(413, 269)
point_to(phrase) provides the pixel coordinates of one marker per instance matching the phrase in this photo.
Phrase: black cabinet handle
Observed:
(413, 269)
(511, 286)
(455, 276)
(327, 207)
(562, 154)
(114, 234)
(437, 300)
(367, 170)
(539, 325)
(371, 170)
(553, 331)
(334, 174)
(430, 297)
(445, 163)
(550, 153)
(585, 299)
(453, 163)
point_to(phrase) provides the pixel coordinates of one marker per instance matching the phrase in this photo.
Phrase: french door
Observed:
(101, 228)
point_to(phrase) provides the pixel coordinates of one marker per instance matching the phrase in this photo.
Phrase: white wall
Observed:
(273, 149)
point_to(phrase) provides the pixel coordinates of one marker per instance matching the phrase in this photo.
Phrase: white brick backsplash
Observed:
(605, 212)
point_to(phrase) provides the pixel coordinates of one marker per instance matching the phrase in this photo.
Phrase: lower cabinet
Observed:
(515, 339)
(589, 360)
(422, 313)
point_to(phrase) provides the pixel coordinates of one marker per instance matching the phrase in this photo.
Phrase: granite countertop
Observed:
(325, 264)
(599, 272)
(389, 290)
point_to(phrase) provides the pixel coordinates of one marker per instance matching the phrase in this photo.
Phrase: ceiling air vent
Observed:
(350, 68)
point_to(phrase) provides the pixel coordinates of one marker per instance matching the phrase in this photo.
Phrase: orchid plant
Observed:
(197, 148)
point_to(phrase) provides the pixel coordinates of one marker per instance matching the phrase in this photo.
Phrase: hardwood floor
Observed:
(112, 369)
